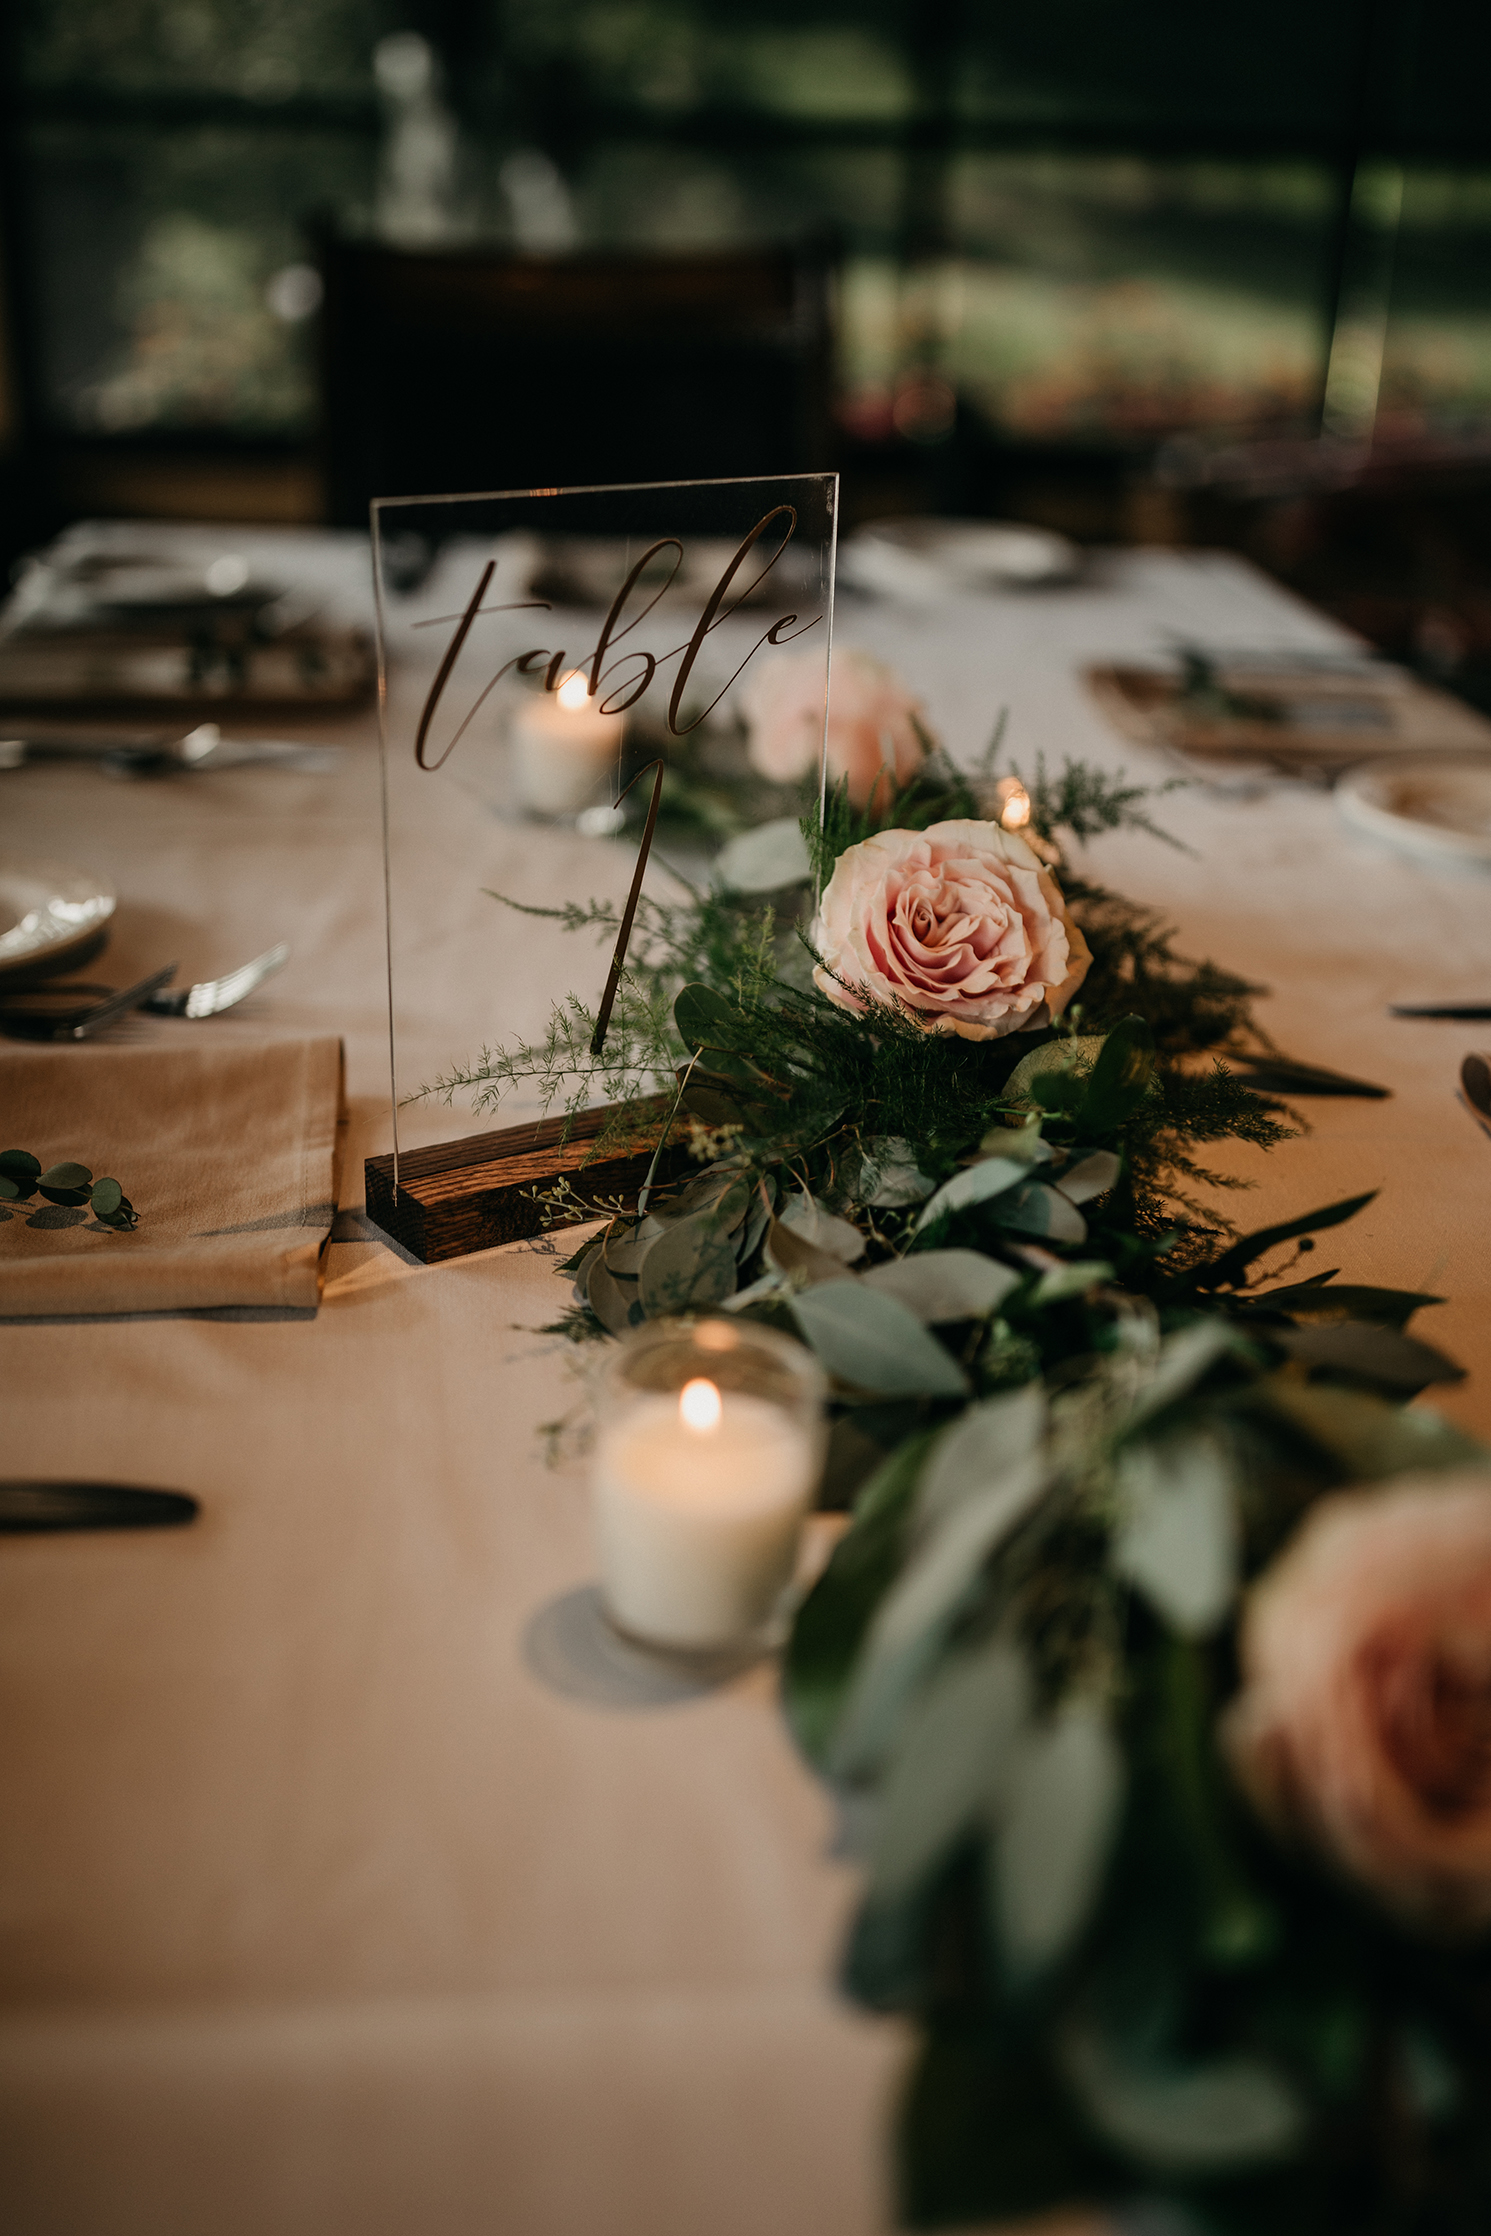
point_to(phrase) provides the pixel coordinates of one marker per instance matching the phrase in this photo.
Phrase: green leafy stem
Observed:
(71, 1185)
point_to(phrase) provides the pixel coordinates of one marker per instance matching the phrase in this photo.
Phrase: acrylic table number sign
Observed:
(559, 667)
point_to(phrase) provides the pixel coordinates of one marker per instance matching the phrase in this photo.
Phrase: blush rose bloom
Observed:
(961, 925)
(1364, 1722)
(873, 722)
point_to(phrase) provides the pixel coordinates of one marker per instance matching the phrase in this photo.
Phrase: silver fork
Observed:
(211, 996)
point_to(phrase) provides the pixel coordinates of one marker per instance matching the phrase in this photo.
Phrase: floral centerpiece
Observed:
(1154, 1667)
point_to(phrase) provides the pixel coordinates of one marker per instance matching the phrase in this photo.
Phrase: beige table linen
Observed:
(226, 1149)
(321, 1910)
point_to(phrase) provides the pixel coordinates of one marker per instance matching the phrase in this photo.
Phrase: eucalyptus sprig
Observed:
(71, 1185)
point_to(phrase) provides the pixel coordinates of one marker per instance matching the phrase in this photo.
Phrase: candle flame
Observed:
(1014, 811)
(574, 691)
(699, 1406)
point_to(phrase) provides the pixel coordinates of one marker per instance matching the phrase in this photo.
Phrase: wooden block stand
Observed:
(461, 1196)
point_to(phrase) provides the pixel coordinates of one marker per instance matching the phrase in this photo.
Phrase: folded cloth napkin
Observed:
(228, 1150)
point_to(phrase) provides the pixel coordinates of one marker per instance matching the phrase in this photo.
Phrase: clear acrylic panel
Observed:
(538, 651)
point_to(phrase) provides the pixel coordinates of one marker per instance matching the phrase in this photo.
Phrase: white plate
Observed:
(47, 910)
(922, 559)
(1432, 803)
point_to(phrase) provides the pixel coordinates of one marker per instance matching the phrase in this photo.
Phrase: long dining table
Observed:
(336, 1900)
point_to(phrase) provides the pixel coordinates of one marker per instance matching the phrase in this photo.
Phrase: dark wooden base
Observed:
(461, 1196)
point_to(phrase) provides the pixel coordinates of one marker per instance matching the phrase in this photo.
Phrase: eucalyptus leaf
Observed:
(1184, 1359)
(792, 1253)
(1071, 1280)
(689, 1268)
(66, 1176)
(626, 1243)
(873, 1343)
(1199, 2119)
(948, 1765)
(975, 1184)
(831, 1623)
(706, 1021)
(714, 1099)
(106, 1198)
(1025, 1142)
(1069, 1056)
(1041, 1210)
(751, 1232)
(1177, 1535)
(974, 1452)
(700, 1014)
(19, 1164)
(768, 1284)
(8, 1188)
(1366, 1436)
(761, 861)
(1055, 1822)
(914, 1617)
(804, 1215)
(614, 1303)
(889, 1174)
(726, 1194)
(1094, 1176)
(944, 1284)
(1122, 1077)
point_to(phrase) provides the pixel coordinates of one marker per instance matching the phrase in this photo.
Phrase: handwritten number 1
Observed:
(618, 958)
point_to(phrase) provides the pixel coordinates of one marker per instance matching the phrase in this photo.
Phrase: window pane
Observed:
(1109, 296)
(263, 50)
(161, 264)
(1436, 366)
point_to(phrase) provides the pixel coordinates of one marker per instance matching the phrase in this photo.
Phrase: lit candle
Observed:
(1014, 803)
(699, 1496)
(1014, 815)
(564, 748)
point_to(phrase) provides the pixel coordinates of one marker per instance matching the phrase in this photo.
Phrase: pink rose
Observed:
(960, 924)
(1364, 1723)
(873, 722)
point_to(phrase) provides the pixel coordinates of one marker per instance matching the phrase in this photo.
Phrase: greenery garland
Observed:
(1074, 1430)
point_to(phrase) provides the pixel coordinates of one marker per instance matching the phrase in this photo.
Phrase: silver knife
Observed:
(27, 1505)
(1481, 1008)
(1475, 1086)
(205, 747)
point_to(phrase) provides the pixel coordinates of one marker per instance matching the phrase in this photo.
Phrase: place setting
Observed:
(87, 1077)
(168, 1213)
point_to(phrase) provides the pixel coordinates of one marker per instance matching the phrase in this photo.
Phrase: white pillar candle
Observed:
(563, 748)
(699, 1498)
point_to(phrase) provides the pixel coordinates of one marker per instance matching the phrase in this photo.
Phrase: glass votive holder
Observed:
(709, 1448)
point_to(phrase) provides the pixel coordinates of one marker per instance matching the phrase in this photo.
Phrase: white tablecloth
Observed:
(322, 1909)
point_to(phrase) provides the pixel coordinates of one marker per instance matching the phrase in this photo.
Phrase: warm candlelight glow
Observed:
(699, 1406)
(574, 691)
(1014, 812)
